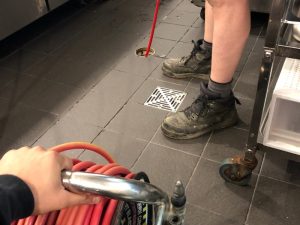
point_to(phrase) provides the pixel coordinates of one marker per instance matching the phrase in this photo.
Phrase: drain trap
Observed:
(165, 99)
(142, 51)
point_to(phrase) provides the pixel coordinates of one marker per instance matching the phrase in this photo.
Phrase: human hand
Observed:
(41, 171)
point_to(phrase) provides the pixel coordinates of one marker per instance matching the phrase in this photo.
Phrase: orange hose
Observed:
(100, 213)
(83, 145)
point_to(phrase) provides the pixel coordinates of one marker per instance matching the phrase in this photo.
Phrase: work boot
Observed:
(207, 113)
(196, 65)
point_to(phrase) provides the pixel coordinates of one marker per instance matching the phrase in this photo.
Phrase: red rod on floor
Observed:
(153, 27)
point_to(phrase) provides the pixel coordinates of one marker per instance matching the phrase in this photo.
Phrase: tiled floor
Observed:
(74, 76)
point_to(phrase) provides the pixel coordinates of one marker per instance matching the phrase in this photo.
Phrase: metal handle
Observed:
(117, 188)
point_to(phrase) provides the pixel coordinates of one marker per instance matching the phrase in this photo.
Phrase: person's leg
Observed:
(231, 30)
(198, 63)
(208, 23)
(215, 106)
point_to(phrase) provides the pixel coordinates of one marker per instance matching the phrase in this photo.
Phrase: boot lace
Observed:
(186, 59)
(200, 107)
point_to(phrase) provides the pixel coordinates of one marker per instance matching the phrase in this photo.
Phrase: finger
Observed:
(72, 199)
(64, 162)
(39, 148)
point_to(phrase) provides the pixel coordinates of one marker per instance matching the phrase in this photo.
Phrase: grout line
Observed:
(204, 209)
(142, 152)
(239, 128)
(194, 171)
(282, 181)
(254, 191)
(175, 149)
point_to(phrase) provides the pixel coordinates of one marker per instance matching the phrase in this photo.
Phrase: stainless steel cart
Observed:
(278, 42)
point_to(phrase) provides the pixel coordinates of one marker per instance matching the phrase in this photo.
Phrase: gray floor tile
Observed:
(162, 47)
(136, 25)
(117, 46)
(246, 85)
(228, 143)
(180, 50)
(194, 146)
(124, 149)
(259, 46)
(181, 17)
(70, 69)
(188, 7)
(208, 190)
(170, 31)
(199, 23)
(165, 166)
(68, 129)
(253, 63)
(252, 39)
(157, 74)
(282, 165)
(137, 121)
(104, 33)
(196, 215)
(275, 203)
(23, 124)
(21, 60)
(149, 86)
(138, 65)
(242, 61)
(6, 76)
(244, 111)
(235, 78)
(100, 105)
(8, 144)
(193, 34)
(251, 58)
(41, 94)
(225, 143)
(60, 34)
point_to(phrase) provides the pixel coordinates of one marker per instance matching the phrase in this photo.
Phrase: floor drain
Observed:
(165, 99)
(142, 51)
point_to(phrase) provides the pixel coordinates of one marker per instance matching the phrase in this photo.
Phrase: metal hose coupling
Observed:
(177, 206)
(118, 188)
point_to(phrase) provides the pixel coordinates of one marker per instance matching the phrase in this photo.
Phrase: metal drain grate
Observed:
(165, 99)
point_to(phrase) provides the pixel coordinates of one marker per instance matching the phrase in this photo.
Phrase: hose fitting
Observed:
(177, 206)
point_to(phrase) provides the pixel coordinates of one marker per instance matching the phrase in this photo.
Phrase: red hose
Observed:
(152, 28)
(100, 213)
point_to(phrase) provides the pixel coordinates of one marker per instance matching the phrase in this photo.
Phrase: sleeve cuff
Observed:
(19, 196)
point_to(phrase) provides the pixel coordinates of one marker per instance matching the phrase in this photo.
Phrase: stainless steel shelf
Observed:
(292, 14)
(278, 63)
(287, 46)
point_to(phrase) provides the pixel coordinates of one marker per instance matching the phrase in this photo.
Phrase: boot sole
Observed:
(183, 136)
(169, 73)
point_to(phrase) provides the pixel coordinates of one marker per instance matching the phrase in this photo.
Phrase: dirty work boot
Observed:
(207, 113)
(196, 65)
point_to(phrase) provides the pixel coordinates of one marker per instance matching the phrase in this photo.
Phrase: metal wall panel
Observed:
(15, 14)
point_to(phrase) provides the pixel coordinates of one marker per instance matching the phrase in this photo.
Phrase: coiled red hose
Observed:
(100, 213)
(153, 28)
